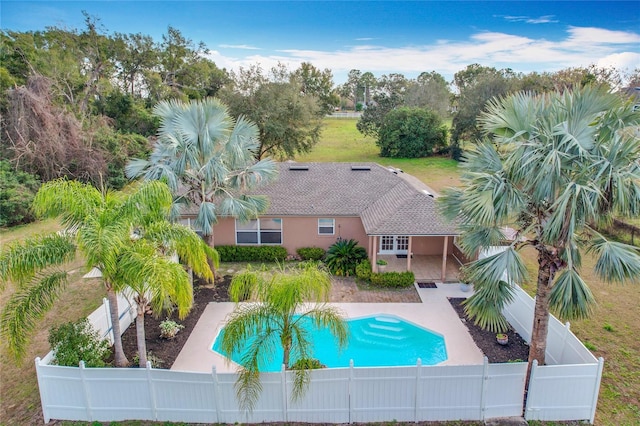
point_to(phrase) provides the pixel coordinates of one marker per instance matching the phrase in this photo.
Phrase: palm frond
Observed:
(486, 305)
(616, 261)
(71, 201)
(23, 310)
(506, 265)
(206, 218)
(20, 261)
(570, 296)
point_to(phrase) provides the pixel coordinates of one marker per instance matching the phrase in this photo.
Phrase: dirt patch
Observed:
(167, 350)
(516, 350)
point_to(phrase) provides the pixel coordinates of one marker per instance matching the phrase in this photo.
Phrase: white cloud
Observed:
(622, 61)
(580, 47)
(238, 46)
(546, 19)
(590, 35)
(364, 39)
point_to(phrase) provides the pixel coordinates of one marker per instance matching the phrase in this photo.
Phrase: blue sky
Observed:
(377, 36)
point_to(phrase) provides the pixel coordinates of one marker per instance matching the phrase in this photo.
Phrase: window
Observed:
(326, 226)
(259, 231)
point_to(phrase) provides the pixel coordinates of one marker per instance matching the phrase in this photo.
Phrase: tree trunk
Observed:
(540, 329)
(209, 239)
(120, 358)
(286, 348)
(140, 336)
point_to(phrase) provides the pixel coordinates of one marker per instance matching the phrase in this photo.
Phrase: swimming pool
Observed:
(374, 341)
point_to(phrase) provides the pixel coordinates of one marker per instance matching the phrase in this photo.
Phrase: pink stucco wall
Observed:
(300, 232)
(303, 232)
(430, 245)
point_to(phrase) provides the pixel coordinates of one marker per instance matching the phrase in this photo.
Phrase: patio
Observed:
(425, 268)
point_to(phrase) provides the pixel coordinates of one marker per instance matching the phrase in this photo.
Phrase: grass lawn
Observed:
(341, 142)
(18, 385)
(611, 332)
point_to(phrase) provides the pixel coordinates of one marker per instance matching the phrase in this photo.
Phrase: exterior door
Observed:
(394, 244)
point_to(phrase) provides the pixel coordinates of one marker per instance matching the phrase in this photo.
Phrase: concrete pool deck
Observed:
(434, 312)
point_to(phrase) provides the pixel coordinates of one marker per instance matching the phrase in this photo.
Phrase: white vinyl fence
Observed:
(337, 395)
(567, 389)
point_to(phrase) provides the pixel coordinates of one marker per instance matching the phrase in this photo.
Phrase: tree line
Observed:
(78, 103)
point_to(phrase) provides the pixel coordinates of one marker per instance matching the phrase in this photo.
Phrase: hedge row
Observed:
(251, 253)
(393, 279)
(311, 253)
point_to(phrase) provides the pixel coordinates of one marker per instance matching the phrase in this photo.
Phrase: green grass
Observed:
(341, 142)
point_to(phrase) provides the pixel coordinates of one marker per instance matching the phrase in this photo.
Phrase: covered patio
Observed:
(424, 267)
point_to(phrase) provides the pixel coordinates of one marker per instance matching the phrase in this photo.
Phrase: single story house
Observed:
(390, 213)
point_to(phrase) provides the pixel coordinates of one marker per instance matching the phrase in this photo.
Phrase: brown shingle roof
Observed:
(388, 203)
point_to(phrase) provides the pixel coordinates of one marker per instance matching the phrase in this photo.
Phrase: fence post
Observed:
(418, 387)
(485, 384)
(596, 390)
(107, 313)
(43, 393)
(152, 393)
(283, 375)
(351, 391)
(531, 391)
(214, 381)
(85, 392)
(567, 330)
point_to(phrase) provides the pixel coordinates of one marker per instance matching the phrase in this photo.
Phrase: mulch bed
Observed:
(167, 350)
(516, 350)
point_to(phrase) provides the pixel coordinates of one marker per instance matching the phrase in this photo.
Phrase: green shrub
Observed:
(363, 270)
(17, 190)
(169, 329)
(343, 257)
(78, 341)
(311, 253)
(411, 133)
(252, 253)
(393, 279)
(307, 364)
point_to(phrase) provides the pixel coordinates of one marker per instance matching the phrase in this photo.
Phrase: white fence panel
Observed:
(503, 396)
(270, 406)
(563, 392)
(117, 394)
(101, 320)
(61, 393)
(325, 401)
(184, 396)
(450, 392)
(379, 394)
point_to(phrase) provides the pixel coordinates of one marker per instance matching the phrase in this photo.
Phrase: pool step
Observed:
(386, 327)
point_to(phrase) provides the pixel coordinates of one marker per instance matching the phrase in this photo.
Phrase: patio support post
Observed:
(444, 257)
(374, 252)
(409, 253)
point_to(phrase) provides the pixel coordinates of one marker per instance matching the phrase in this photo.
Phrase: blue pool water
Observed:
(374, 341)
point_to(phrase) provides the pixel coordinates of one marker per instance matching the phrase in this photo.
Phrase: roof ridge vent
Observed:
(427, 193)
(361, 168)
(394, 170)
(299, 168)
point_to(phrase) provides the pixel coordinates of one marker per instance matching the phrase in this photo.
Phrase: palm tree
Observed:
(99, 226)
(283, 299)
(158, 282)
(207, 159)
(556, 164)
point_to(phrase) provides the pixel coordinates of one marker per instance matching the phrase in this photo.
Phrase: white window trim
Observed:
(259, 232)
(333, 226)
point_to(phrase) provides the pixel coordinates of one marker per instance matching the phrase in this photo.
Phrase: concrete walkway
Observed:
(432, 311)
